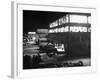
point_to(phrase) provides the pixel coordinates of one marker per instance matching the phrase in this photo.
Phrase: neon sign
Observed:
(60, 21)
(70, 18)
(78, 29)
(70, 29)
(63, 20)
(56, 30)
(78, 19)
(54, 24)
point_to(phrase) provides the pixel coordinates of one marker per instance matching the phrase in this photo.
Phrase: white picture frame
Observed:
(17, 48)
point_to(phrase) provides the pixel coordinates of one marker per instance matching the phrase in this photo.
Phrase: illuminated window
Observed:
(70, 29)
(62, 29)
(66, 18)
(56, 30)
(78, 19)
(54, 24)
(66, 29)
(78, 29)
(62, 21)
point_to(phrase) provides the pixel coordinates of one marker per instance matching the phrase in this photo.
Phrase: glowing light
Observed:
(78, 19)
(60, 21)
(74, 18)
(66, 29)
(70, 29)
(33, 38)
(78, 29)
(56, 30)
(66, 18)
(31, 32)
(59, 47)
(54, 24)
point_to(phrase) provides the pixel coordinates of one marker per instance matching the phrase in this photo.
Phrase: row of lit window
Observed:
(70, 29)
(73, 19)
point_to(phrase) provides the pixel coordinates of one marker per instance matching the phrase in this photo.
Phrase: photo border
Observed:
(17, 32)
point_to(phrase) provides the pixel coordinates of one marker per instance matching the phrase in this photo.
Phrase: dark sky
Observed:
(38, 19)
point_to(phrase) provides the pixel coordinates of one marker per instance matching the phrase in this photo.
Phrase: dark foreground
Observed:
(55, 61)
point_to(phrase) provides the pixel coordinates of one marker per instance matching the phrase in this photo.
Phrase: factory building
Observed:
(74, 31)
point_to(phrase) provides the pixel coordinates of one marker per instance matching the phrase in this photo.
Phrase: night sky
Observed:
(39, 19)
